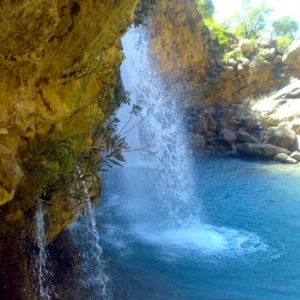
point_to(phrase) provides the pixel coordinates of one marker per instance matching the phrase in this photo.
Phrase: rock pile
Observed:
(250, 130)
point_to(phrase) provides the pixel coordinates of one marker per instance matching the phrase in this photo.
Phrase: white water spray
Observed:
(161, 136)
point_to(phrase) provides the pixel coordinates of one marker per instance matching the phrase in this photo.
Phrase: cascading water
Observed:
(93, 281)
(40, 261)
(161, 136)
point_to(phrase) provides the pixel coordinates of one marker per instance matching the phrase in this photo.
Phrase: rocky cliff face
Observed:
(213, 82)
(56, 57)
(179, 42)
(190, 57)
(58, 62)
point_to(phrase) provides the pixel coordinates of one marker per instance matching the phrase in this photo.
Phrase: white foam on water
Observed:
(204, 240)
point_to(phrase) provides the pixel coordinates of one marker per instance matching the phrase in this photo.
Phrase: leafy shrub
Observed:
(232, 54)
(224, 36)
(71, 165)
(282, 43)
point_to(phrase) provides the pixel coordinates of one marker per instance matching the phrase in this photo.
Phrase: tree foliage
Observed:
(283, 42)
(285, 26)
(251, 23)
(206, 8)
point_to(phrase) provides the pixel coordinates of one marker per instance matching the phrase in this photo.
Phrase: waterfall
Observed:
(153, 228)
(155, 197)
(40, 262)
(161, 136)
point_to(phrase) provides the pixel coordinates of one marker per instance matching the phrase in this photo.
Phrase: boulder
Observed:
(223, 124)
(210, 134)
(277, 59)
(246, 46)
(294, 94)
(292, 56)
(243, 60)
(245, 137)
(265, 42)
(271, 151)
(296, 144)
(268, 54)
(295, 125)
(205, 122)
(283, 157)
(198, 142)
(248, 123)
(243, 64)
(295, 155)
(227, 136)
(283, 137)
(289, 91)
(232, 62)
(201, 124)
(261, 150)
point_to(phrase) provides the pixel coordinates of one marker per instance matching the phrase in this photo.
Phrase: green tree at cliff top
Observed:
(285, 26)
(251, 23)
(206, 8)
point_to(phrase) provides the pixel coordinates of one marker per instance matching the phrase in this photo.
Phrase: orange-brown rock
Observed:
(55, 58)
(178, 42)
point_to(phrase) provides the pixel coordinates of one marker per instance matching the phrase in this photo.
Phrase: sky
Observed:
(282, 8)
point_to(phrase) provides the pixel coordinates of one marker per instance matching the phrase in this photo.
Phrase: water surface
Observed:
(238, 238)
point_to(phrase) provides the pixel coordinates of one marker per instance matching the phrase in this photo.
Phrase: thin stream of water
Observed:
(85, 233)
(40, 262)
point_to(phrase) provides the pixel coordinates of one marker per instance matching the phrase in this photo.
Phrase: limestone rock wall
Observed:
(55, 59)
(179, 42)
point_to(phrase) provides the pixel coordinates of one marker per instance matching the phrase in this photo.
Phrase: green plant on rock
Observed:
(235, 54)
(71, 165)
(117, 98)
(283, 43)
(224, 36)
(48, 166)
